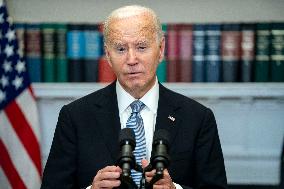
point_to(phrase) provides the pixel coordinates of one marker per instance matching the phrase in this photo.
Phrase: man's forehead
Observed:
(132, 27)
(137, 41)
(132, 33)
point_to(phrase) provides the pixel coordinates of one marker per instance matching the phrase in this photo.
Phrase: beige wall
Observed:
(168, 10)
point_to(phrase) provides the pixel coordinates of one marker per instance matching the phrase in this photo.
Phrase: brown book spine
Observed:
(231, 51)
(105, 73)
(185, 52)
(247, 51)
(173, 71)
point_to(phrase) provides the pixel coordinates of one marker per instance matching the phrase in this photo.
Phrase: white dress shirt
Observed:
(148, 113)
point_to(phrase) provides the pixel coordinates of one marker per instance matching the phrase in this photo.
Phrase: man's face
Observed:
(134, 53)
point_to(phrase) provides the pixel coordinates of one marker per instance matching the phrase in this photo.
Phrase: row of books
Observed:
(228, 52)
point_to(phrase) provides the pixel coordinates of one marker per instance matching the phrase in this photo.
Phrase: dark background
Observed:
(253, 187)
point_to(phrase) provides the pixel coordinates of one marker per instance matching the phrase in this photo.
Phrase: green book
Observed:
(162, 71)
(277, 52)
(162, 67)
(262, 56)
(60, 51)
(48, 49)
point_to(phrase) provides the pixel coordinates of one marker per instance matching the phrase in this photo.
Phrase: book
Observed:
(33, 51)
(93, 51)
(198, 50)
(48, 52)
(230, 52)
(165, 32)
(20, 33)
(213, 53)
(247, 51)
(262, 54)
(173, 48)
(162, 71)
(105, 73)
(277, 52)
(162, 67)
(75, 52)
(185, 52)
(60, 51)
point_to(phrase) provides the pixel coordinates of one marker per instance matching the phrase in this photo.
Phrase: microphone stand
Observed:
(158, 175)
(127, 182)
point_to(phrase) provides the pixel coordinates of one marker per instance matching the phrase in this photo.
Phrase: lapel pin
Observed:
(171, 118)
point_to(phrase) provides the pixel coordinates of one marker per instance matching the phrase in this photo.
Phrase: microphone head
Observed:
(127, 135)
(161, 135)
(159, 157)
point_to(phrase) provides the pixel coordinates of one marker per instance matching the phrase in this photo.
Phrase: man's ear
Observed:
(162, 49)
(107, 55)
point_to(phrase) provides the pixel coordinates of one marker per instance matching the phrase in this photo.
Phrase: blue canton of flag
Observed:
(13, 73)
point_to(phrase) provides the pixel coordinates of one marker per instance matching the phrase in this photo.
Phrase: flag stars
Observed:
(10, 20)
(17, 82)
(11, 35)
(9, 50)
(7, 66)
(20, 67)
(2, 96)
(20, 52)
(4, 81)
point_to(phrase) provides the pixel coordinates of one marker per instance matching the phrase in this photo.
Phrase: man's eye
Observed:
(120, 49)
(142, 48)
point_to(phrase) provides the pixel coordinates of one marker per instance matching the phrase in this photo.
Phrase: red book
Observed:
(247, 51)
(185, 52)
(105, 73)
(173, 68)
(33, 52)
(231, 52)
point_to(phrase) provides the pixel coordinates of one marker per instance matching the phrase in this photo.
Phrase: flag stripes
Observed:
(3, 180)
(24, 132)
(27, 104)
(20, 159)
(9, 169)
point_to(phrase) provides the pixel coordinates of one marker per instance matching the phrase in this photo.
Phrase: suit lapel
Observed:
(107, 117)
(167, 117)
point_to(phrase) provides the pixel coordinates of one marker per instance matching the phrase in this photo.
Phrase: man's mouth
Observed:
(134, 73)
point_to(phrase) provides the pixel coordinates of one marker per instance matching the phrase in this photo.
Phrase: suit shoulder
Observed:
(182, 100)
(92, 98)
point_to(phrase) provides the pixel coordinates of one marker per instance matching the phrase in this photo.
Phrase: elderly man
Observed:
(85, 148)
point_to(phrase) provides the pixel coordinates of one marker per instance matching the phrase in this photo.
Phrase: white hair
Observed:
(130, 11)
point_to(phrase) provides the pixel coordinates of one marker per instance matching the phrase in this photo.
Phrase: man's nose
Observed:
(132, 58)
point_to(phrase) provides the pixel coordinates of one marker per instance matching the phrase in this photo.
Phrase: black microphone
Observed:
(159, 157)
(126, 160)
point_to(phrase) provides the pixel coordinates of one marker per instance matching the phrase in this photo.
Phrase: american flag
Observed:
(20, 158)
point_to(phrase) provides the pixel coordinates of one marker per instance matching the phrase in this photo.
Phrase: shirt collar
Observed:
(150, 99)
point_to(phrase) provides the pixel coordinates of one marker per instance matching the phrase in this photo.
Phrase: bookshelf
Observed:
(249, 115)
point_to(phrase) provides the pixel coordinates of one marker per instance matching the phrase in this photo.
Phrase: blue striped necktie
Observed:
(135, 122)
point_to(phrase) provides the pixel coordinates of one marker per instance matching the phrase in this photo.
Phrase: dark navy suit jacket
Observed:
(86, 140)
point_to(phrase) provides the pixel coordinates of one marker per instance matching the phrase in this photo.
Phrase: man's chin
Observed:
(135, 85)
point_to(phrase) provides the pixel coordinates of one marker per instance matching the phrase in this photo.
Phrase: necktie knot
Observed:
(137, 106)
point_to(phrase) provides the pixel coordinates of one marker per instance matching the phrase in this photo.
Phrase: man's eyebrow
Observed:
(117, 43)
(142, 42)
